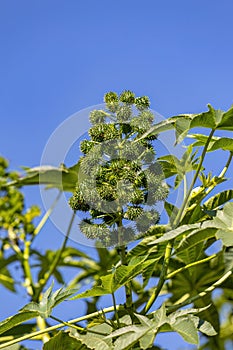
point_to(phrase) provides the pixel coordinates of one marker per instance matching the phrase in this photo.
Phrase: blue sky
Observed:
(58, 57)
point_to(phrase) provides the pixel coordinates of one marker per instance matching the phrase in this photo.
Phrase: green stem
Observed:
(201, 294)
(162, 278)
(178, 219)
(181, 212)
(123, 257)
(46, 215)
(52, 268)
(172, 274)
(223, 172)
(78, 328)
(115, 309)
(29, 284)
(60, 325)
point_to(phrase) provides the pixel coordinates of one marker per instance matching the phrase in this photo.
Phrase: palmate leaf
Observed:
(49, 301)
(17, 319)
(110, 283)
(187, 329)
(213, 119)
(62, 341)
(19, 330)
(219, 199)
(223, 143)
(184, 229)
(65, 179)
(6, 279)
(224, 223)
(196, 237)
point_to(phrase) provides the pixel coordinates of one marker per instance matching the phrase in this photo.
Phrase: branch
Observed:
(59, 325)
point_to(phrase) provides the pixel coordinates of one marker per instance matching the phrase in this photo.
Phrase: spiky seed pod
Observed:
(137, 197)
(110, 97)
(128, 97)
(111, 100)
(97, 117)
(86, 146)
(103, 132)
(90, 164)
(125, 128)
(124, 113)
(142, 122)
(3, 163)
(133, 212)
(107, 192)
(77, 201)
(142, 103)
(147, 219)
(94, 231)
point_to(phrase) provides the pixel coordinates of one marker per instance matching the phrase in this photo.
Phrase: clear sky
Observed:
(58, 57)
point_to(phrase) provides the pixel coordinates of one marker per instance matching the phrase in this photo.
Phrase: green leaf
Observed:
(223, 143)
(187, 329)
(217, 200)
(19, 330)
(224, 223)
(182, 230)
(6, 280)
(62, 341)
(170, 165)
(147, 340)
(159, 316)
(127, 340)
(209, 119)
(104, 288)
(110, 283)
(226, 120)
(49, 301)
(95, 342)
(62, 178)
(207, 329)
(182, 126)
(196, 237)
(15, 320)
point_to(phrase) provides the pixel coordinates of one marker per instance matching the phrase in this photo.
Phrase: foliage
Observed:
(119, 171)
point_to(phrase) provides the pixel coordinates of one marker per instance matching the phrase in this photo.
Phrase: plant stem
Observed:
(55, 262)
(223, 172)
(181, 212)
(60, 325)
(29, 284)
(172, 274)
(115, 309)
(78, 328)
(178, 219)
(46, 215)
(162, 278)
(42, 325)
(122, 251)
(201, 294)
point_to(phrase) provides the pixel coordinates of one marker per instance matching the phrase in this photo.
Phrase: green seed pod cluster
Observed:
(97, 117)
(122, 182)
(14, 219)
(142, 103)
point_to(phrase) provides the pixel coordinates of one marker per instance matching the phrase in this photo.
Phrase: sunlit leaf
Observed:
(187, 329)
(62, 178)
(62, 341)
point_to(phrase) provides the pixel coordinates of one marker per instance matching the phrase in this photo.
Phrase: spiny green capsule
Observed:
(97, 117)
(127, 96)
(142, 103)
(133, 212)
